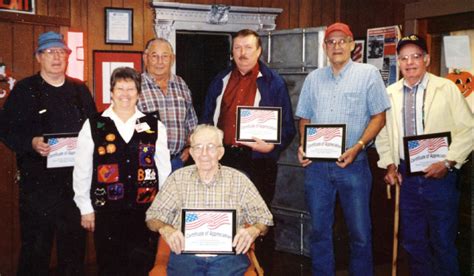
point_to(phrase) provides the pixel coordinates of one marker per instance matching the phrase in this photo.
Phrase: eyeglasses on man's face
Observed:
(210, 148)
(414, 57)
(165, 58)
(53, 51)
(341, 42)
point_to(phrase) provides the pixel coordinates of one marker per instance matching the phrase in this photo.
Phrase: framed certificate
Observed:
(63, 149)
(208, 231)
(118, 26)
(261, 122)
(324, 142)
(423, 150)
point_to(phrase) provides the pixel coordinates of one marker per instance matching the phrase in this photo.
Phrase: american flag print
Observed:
(57, 143)
(431, 145)
(326, 133)
(212, 219)
(258, 116)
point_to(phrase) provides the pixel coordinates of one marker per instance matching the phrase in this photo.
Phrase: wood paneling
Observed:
(305, 13)
(7, 241)
(294, 14)
(19, 33)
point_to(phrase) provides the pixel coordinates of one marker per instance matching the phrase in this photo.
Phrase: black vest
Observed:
(125, 175)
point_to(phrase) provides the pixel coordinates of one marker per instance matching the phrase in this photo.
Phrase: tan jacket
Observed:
(445, 110)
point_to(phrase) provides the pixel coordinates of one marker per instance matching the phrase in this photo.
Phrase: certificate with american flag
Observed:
(324, 142)
(208, 231)
(423, 150)
(63, 149)
(260, 122)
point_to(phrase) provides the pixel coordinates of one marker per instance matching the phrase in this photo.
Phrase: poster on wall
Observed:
(357, 55)
(382, 51)
(20, 6)
(105, 62)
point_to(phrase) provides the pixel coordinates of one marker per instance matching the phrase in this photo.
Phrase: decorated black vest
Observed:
(125, 175)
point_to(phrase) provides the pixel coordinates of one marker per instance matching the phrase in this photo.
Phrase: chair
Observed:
(163, 255)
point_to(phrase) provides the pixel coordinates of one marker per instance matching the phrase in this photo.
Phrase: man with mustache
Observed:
(249, 82)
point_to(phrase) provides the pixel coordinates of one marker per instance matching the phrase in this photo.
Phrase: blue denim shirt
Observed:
(350, 98)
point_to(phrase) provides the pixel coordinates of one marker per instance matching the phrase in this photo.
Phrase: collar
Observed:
(422, 83)
(343, 70)
(109, 112)
(254, 72)
(217, 177)
(150, 78)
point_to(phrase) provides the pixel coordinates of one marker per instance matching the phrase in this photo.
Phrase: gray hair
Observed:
(159, 39)
(219, 133)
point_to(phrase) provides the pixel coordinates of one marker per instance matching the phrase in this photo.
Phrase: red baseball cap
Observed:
(338, 26)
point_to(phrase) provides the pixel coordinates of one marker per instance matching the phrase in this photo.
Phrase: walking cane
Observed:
(396, 216)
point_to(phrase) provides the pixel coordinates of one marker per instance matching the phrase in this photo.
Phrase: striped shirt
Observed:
(175, 108)
(350, 98)
(230, 190)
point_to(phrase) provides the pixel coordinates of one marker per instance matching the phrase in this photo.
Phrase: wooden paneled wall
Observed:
(18, 39)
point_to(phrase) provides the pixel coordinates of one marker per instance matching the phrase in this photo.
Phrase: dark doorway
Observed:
(199, 57)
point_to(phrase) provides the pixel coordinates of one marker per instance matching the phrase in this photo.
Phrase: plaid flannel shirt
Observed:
(175, 108)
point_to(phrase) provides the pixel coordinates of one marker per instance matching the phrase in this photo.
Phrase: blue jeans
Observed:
(353, 184)
(223, 265)
(428, 223)
(176, 163)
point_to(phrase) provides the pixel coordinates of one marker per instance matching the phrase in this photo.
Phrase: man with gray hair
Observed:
(208, 185)
(47, 102)
(167, 94)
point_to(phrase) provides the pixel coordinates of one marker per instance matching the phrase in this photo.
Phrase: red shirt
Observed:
(240, 90)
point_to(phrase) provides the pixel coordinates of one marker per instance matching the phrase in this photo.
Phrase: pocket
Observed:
(353, 102)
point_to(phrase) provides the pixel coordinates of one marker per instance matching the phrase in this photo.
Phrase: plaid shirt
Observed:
(175, 108)
(230, 190)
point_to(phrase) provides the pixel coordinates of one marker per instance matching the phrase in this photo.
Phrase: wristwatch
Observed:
(448, 165)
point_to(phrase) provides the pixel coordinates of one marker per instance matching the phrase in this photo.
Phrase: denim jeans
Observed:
(323, 180)
(223, 265)
(428, 223)
(176, 163)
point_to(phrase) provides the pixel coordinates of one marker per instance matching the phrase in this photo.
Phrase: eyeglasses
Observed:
(210, 148)
(341, 42)
(165, 58)
(414, 57)
(52, 52)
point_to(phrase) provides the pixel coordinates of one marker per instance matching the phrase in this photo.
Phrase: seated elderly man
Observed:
(212, 186)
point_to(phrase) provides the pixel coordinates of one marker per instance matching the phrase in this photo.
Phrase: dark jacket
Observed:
(273, 93)
(34, 108)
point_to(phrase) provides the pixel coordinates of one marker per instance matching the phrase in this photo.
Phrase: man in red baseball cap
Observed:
(350, 94)
(340, 27)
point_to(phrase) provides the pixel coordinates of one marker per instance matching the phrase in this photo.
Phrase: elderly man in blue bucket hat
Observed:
(48, 102)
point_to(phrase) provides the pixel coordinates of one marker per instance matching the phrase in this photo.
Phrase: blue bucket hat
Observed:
(51, 40)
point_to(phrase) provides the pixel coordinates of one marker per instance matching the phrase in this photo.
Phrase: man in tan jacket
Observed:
(423, 103)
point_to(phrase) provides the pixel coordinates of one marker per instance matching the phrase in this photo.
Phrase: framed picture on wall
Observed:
(118, 26)
(25, 6)
(105, 63)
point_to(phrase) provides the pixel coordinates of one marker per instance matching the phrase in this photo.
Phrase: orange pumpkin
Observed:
(463, 81)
